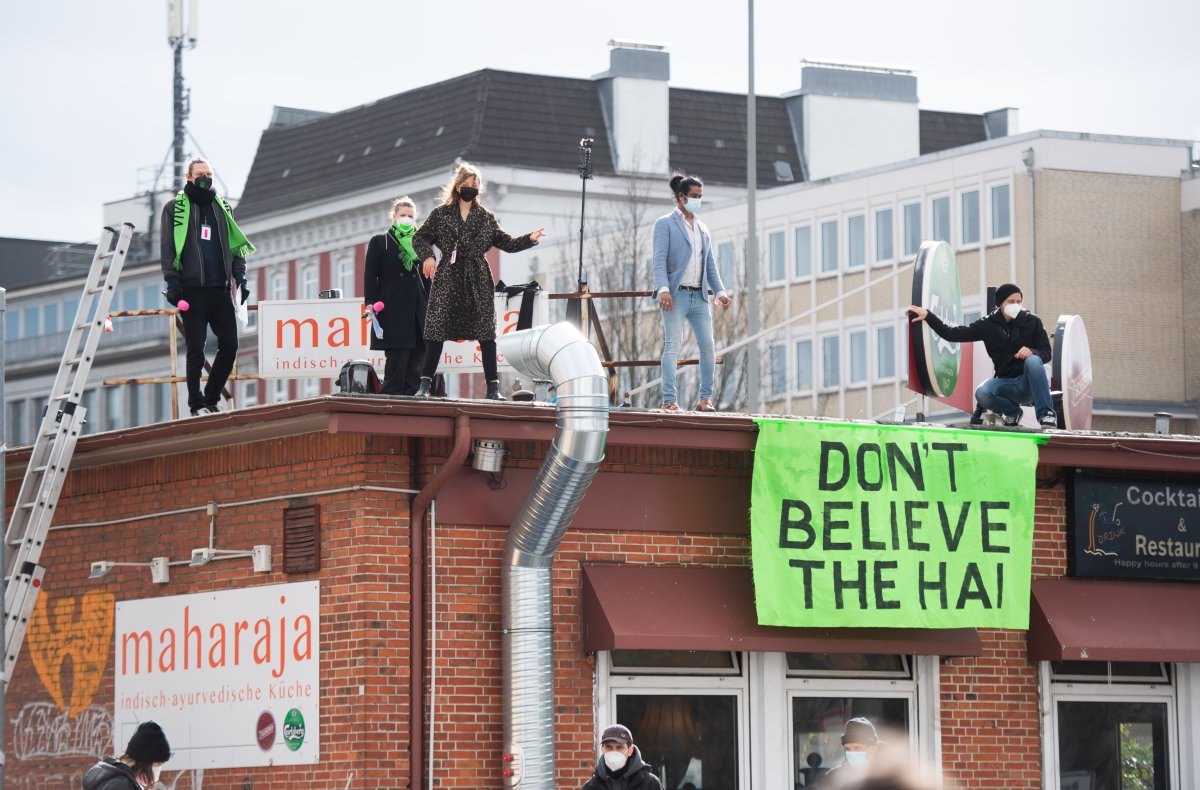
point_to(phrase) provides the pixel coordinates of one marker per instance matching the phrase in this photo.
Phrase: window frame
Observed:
(796, 247)
(823, 246)
(861, 217)
(812, 366)
(851, 333)
(837, 385)
(781, 390)
(891, 236)
(782, 260)
(935, 202)
(904, 207)
(964, 215)
(993, 237)
(879, 376)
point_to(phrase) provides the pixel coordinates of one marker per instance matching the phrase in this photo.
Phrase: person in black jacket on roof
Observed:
(203, 255)
(1017, 343)
(620, 765)
(138, 768)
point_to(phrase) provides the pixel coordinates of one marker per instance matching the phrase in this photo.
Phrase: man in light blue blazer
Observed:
(684, 272)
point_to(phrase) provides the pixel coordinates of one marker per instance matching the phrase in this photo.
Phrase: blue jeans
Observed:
(1007, 396)
(690, 305)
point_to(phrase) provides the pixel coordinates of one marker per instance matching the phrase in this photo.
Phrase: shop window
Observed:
(672, 662)
(818, 721)
(686, 738)
(848, 665)
(1110, 671)
(1112, 744)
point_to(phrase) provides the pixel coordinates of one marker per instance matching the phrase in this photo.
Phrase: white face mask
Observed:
(692, 204)
(615, 760)
(1013, 310)
(856, 759)
(402, 220)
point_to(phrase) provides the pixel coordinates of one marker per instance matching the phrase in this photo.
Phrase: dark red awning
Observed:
(1090, 620)
(627, 607)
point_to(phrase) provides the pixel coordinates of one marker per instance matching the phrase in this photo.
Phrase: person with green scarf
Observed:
(203, 256)
(392, 275)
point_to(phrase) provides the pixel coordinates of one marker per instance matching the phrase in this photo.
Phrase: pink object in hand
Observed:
(183, 305)
(378, 307)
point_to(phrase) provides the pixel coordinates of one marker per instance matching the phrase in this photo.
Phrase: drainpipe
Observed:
(416, 607)
(561, 354)
(1027, 158)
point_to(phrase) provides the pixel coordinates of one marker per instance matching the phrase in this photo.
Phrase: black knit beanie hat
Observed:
(149, 744)
(1005, 291)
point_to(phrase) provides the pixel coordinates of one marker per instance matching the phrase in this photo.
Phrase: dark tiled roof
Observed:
(708, 137)
(26, 262)
(528, 121)
(942, 130)
(488, 116)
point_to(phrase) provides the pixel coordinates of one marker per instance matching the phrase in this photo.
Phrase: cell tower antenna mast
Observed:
(181, 35)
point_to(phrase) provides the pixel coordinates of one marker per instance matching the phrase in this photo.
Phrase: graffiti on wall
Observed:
(44, 729)
(76, 628)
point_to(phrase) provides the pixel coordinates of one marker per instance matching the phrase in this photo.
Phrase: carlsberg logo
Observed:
(293, 729)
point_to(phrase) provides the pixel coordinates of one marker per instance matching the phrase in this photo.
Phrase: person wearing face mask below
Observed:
(138, 768)
(461, 303)
(392, 275)
(860, 742)
(1020, 349)
(620, 765)
(684, 271)
(203, 255)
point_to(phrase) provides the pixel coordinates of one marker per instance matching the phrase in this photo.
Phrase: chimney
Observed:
(1001, 123)
(636, 99)
(854, 116)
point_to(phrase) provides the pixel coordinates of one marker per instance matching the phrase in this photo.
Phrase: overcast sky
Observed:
(85, 86)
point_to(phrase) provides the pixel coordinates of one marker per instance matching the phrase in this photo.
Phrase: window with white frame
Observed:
(825, 691)
(248, 395)
(1001, 216)
(831, 362)
(671, 696)
(310, 388)
(725, 264)
(804, 365)
(277, 283)
(343, 275)
(912, 228)
(856, 241)
(279, 390)
(940, 209)
(970, 217)
(885, 250)
(885, 352)
(829, 246)
(15, 417)
(12, 324)
(777, 360)
(114, 405)
(310, 281)
(776, 257)
(857, 340)
(50, 323)
(802, 239)
(1113, 724)
(33, 321)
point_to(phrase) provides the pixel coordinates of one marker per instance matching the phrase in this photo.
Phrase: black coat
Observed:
(404, 294)
(1002, 339)
(635, 776)
(110, 774)
(192, 259)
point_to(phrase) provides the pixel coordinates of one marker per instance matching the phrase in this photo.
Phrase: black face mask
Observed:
(204, 182)
(468, 193)
(198, 194)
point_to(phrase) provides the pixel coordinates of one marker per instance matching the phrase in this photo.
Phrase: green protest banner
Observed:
(858, 525)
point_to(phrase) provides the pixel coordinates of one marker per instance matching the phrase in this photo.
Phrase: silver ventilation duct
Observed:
(560, 353)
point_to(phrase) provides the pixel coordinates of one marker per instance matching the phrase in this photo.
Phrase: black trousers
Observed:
(402, 370)
(433, 355)
(209, 307)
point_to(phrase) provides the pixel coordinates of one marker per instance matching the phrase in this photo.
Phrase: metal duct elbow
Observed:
(560, 353)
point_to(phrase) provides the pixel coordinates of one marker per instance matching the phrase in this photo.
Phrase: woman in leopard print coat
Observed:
(461, 302)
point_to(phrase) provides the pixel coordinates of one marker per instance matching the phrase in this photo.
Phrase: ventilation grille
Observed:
(302, 539)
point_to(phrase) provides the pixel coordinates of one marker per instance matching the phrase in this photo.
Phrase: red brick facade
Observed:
(989, 704)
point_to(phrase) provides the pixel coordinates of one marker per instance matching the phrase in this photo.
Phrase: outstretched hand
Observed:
(537, 234)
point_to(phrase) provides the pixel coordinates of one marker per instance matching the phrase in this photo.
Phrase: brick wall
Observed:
(1191, 303)
(990, 722)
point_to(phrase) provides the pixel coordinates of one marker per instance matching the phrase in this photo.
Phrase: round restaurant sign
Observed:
(1072, 372)
(935, 287)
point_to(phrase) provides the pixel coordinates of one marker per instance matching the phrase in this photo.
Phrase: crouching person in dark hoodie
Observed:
(138, 768)
(620, 766)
